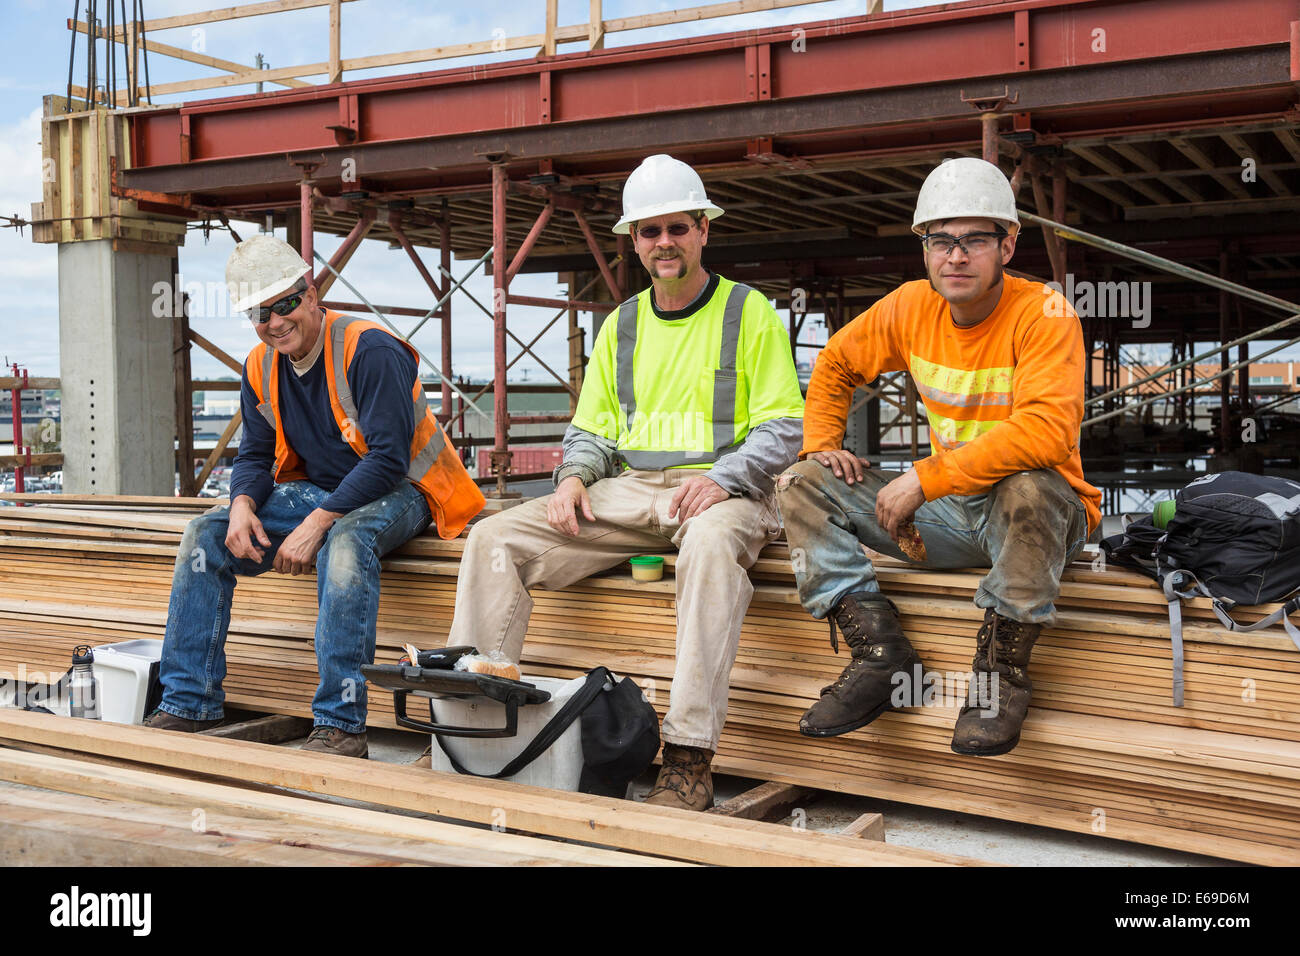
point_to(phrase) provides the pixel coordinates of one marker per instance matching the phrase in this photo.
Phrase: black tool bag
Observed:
(620, 735)
(1234, 538)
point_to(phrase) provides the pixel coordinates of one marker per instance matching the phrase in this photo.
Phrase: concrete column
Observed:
(115, 358)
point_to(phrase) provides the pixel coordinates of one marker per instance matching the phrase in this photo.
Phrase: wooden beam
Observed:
(595, 27)
(230, 66)
(1245, 151)
(21, 461)
(1193, 152)
(226, 13)
(437, 841)
(660, 831)
(567, 34)
(216, 352)
(184, 397)
(1147, 164)
(869, 826)
(552, 18)
(9, 382)
(219, 450)
(336, 29)
(768, 801)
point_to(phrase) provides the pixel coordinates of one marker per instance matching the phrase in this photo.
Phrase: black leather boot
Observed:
(1001, 655)
(867, 688)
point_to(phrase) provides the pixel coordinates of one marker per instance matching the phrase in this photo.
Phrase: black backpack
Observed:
(1234, 538)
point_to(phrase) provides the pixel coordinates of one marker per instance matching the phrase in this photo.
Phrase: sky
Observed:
(37, 64)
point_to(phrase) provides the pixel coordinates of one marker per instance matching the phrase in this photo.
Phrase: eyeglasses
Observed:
(972, 244)
(262, 314)
(676, 230)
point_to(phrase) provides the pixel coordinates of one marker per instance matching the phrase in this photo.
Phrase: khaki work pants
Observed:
(516, 549)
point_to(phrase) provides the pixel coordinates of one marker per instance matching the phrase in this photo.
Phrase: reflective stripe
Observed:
(428, 455)
(341, 388)
(724, 381)
(659, 460)
(626, 349)
(268, 360)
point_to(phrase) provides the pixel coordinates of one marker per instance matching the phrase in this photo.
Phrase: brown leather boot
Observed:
(1001, 655)
(867, 687)
(161, 720)
(684, 779)
(333, 740)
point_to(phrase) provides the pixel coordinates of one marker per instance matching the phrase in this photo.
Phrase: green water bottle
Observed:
(1163, 513)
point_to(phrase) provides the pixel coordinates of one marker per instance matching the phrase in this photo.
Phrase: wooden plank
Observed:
(18, 461)
(657, 831)
(869, 826)
(765, 802)
(217, 352)
(9, 382)
(226, 13)
(336, 29)
(437, 841)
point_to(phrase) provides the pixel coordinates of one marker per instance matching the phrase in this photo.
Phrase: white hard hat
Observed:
(966, 188)
(659, 186)
(261, 267)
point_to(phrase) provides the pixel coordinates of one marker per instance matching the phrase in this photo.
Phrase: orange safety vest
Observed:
(436, 469)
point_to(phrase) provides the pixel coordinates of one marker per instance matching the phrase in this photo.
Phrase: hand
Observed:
(898, 501)
(694, 496)
(244, 531)
(298, 553)
(843, 463)
(562, 509)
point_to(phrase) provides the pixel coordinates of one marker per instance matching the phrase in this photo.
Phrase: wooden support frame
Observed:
(334, 68)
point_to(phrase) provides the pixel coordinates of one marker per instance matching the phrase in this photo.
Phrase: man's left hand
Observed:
(898, 501)
(298, 553)
(694, 496)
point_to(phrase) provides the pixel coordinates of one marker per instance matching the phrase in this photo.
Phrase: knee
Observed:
(491, 537)
(711, 542)
(346, 560)
(799, 479)
(1031, 498)
(206, 534)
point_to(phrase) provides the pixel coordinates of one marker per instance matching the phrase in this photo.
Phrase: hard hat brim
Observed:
(254, 299)
(624, 225)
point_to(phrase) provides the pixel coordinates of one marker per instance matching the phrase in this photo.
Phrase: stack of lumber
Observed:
(1104, 750)
(114, 795)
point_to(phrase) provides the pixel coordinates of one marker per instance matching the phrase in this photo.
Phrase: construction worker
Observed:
(998, 362)
(689, 408)
(341, 461)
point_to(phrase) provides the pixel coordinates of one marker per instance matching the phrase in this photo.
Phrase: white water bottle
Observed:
(84, 687)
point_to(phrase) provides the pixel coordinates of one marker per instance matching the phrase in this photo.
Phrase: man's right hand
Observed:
(245, 531)
(562, 509)
(843, 463)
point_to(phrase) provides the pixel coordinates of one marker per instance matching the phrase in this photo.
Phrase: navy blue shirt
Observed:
(381, 377)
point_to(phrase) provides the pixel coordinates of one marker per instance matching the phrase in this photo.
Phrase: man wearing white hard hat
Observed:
(689, 407)
(341, 460)
(998, 362)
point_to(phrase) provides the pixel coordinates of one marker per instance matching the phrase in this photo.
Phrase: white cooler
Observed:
(125, 672)
(559, 768)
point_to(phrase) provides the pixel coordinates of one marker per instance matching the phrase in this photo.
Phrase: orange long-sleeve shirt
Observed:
(1001, 397)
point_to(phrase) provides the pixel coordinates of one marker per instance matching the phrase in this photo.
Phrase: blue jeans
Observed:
(347, 587)
(1025, 530)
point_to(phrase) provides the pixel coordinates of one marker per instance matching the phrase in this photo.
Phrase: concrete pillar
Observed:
(115, 358)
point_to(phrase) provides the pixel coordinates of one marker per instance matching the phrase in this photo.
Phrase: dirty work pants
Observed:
(516, 549)
(1025, 529)
(347, 587)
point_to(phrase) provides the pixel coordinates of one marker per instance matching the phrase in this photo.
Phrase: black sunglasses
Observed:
(676, 230)
(262, 314)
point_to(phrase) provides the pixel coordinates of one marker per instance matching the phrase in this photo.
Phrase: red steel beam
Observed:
(955, 43)
(598, 256)
(444, 254)
(525, 247)
(500, 285)
(325, 278)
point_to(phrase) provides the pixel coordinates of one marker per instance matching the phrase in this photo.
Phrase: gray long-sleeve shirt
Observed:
(750, 470)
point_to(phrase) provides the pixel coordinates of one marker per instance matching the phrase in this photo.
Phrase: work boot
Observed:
(161, 720)
(1001, 655)
(333, 740)
(866, 689)
(684, 779)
